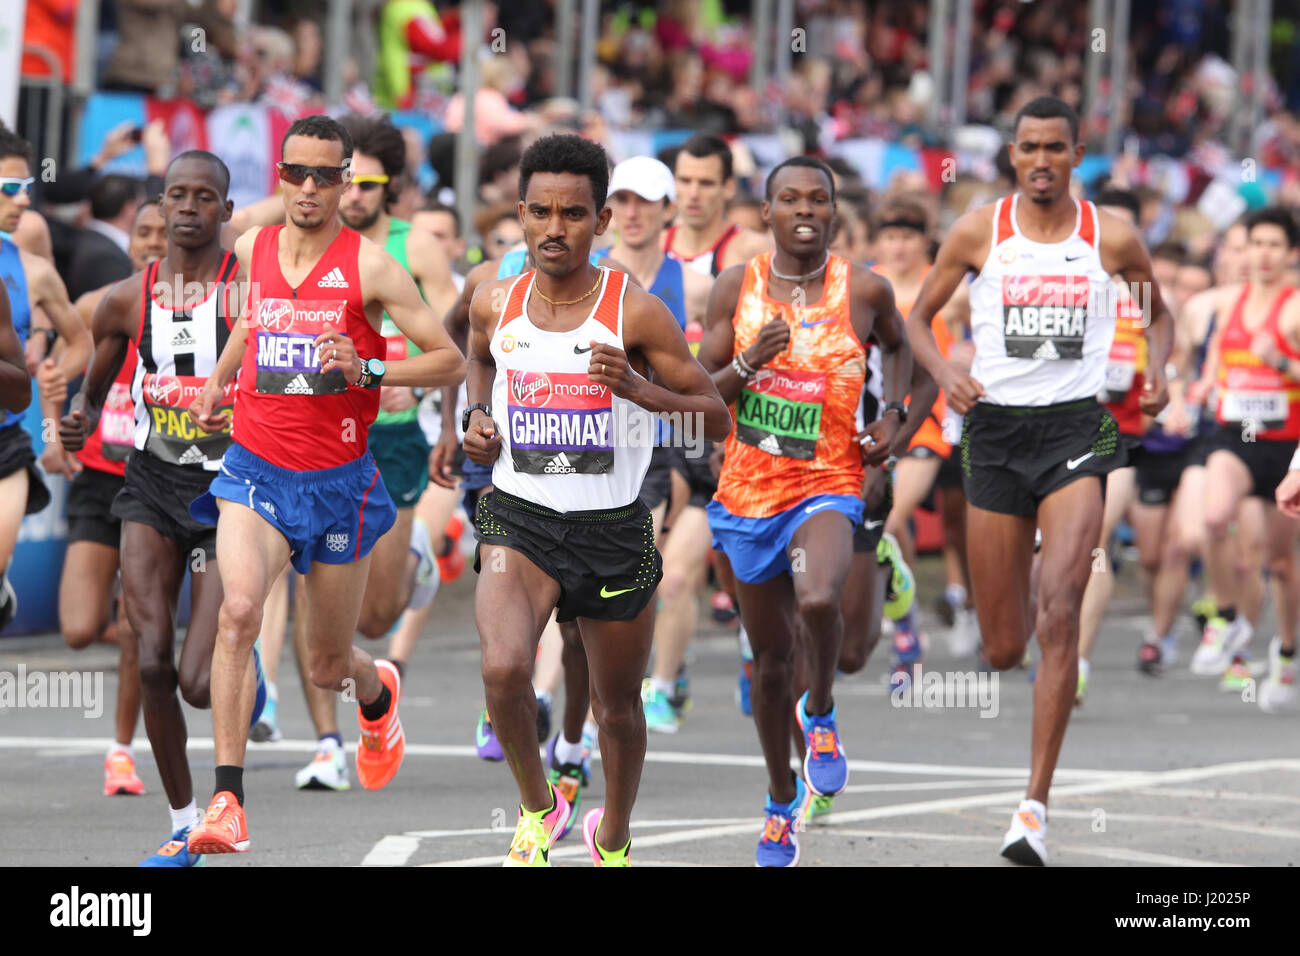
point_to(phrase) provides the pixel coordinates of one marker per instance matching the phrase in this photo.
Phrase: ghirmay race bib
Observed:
(780, 412)
(117, 423)
(173, 436)
(288, 361)
(1044, 317)
(560, 423)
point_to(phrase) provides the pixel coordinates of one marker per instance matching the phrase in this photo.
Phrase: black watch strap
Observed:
(464, 418)
(896, 407)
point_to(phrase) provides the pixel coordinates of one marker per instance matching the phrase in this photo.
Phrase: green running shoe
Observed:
(900, 593)
(818, 806)
(660, 716)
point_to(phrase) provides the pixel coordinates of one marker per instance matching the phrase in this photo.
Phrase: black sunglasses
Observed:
(296, 174)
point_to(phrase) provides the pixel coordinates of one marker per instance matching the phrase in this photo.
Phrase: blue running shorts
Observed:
(758, 548)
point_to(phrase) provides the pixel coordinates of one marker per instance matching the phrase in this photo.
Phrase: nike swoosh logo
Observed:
(605, 593)
(808, 325)
(481, 738)
(1074, 463)
(1073, 258)
(578, 351)
(811, 508)
(872, 524)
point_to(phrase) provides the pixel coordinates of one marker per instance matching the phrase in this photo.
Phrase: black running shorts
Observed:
(605, 562)
(16, 454)
(867, 535)
(1158, 474)
(693, 465)
(90, 505)
(1267, 460)
(658, 484)
(1013, 456)
(158, 495)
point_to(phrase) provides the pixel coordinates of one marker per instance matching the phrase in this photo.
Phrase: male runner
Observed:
(1252, 359)
(178, 314)
(702, 240)
(564, 352)
(1042, 322)
(785, 340)
(31, 284)
(298, 482)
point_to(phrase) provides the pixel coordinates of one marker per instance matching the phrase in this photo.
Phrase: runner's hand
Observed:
(1288, 495)
(482, 441)
(52, 383)
(1197, 392)
(609, 367)
(204, 410)
(773, 339)
(877, 440)
(1155, 391)
(396, 398)
(960, 390)
(56, 461)
(338, 352)
(73, 427)
(441, 457)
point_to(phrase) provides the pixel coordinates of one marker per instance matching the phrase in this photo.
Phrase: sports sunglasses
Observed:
(296, 174)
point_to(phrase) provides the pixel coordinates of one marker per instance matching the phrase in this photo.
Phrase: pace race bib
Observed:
(288, 361)
(1044, 317)
(173, 436)
(780, 412)
(117, 423)
(560, 424)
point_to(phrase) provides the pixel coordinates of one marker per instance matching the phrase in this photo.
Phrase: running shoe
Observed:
(589, 744)
(382, 743)
(1168, 650)
(1150, 660)
(599, 856)
(259, 702)
(825, 766)
(1202, 610)
(8, 601)
(818, 806)
(779, 844)
(568, 779)
(900, 592)
(660, 716)
(724, 608)
(907, 647)
(543, 716)
(900, 678)
(426, 572)
(119, 775)
(945, 610)
(1026, 841)
(1220, 642)
(1278, 692)
(485, 739)
(535, 833)
(554, 766)
(175, 852)
(1237, 677)
(681, 699)
(964, 635)
(746, 681)
(1081, 689)
(267, 728)
(451, 563)
(223, 828)
(327, 771)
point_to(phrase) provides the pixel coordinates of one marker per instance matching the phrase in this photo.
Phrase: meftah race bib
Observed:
(288, 361)
(780, 412)
(560, 423)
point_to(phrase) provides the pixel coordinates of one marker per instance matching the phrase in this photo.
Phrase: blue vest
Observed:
(20, 309)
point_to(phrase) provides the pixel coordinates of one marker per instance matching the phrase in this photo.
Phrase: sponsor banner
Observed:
(560, 423)
(780, 412)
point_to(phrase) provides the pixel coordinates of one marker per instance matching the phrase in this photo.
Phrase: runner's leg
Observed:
(392, 578)
(1000, 548)
(768, 611)
(913, 479)
(1121, 487)
(685, 557)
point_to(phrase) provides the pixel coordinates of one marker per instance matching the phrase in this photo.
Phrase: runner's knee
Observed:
(241, 619)
(157, 674)
(328, 673)
(504, 673)
(195, 688)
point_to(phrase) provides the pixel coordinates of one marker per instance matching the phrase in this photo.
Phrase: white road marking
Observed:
(1211, 824)
(391, 851)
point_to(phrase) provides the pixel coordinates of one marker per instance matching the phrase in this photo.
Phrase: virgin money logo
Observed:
(762, 381)
(531, 388)
(276, 315)
(119, 397)
(163, 389)
(1046, 290)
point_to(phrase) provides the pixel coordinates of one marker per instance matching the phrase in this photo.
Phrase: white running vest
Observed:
(568, 443)
(1042, 314)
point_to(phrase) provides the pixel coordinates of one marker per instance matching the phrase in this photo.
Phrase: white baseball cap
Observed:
(645, 176)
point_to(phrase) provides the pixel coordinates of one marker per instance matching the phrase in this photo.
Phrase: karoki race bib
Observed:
(780, 412)
(1044, 317)
(288, 361)
(173, 436)
(560, 423)
(117, 423)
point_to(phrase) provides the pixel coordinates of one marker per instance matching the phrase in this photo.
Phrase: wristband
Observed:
(738, 366)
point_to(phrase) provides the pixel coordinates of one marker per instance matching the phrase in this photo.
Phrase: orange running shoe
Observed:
(382, 744)
(452, 564)
(223, 829)
(119, 775)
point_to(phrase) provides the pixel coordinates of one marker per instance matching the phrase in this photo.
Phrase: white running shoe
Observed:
(1220, 642)
(1026, 841)
(328, 771)
(964, 635)
(426, 573)
(1278, 692)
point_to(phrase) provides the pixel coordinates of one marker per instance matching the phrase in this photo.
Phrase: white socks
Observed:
(186, 816)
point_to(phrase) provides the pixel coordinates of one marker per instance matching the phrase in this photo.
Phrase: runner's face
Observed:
(1269, 254)
(360, 208)
(1190, 280)
(801, 212)
(148, 236)
(1043, 155)
(11, 207)
(701, 191)
(192, 204)
(901, 249)
(442, 227)
(560, 221)
(1231, 265)
(505, 235)
(310, 206)
(639, 222)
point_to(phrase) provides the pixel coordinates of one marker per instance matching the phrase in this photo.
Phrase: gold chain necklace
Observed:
(571, 301)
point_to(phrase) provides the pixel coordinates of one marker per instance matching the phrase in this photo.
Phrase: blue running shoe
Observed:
(779, 845)
(826, 767)
(259, 703)
(175, 852)
(907, 646)
(485, 739)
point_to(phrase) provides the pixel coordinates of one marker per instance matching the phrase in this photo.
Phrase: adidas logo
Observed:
(182, 339)
(333, 280)
(559, 465)
(192, 456)
(1046, 351)
(336, 542)
(267, 507)
(298, 386)
(770, 445)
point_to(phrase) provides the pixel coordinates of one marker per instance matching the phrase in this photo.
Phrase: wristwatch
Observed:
(464, 418)
(896, 407)
(372, 373)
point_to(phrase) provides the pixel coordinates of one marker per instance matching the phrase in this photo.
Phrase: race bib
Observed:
(117, 423)
(1044, 317)
(1269, 409)
(560, 423)
(288, 361)
(780, 412)
(173, 435)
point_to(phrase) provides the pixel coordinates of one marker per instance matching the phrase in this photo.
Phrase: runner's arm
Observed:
(456, 322)
(440, 362)
(47, 291)
(923, 392)
(15, 384)
(951, 264)
(113, 331)
(874, 314)
(232, 356)
(717, 348)
(432, 270)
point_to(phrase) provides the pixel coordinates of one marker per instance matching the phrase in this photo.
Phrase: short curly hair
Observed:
(566, 153)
